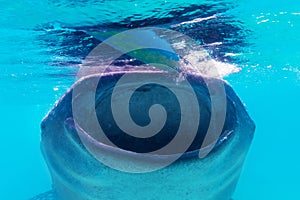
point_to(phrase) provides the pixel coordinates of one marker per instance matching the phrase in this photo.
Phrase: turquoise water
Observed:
(42, 44)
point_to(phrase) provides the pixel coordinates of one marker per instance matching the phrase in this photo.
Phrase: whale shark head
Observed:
(83, 165)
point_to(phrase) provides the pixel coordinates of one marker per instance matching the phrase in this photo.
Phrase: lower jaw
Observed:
(211, 178)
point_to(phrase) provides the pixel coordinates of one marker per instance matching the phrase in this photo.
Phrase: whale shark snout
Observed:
(74, 153)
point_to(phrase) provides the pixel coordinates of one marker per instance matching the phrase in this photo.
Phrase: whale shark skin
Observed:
(78, 175)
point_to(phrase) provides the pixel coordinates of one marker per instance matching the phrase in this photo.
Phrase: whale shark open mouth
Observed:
(140, 102)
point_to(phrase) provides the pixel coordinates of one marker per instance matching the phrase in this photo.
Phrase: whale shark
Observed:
(76, 174)
(202, 161)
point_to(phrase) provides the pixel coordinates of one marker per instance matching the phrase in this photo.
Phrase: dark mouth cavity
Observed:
(141, 100)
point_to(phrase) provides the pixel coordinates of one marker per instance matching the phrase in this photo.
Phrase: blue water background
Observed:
(269, 85)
